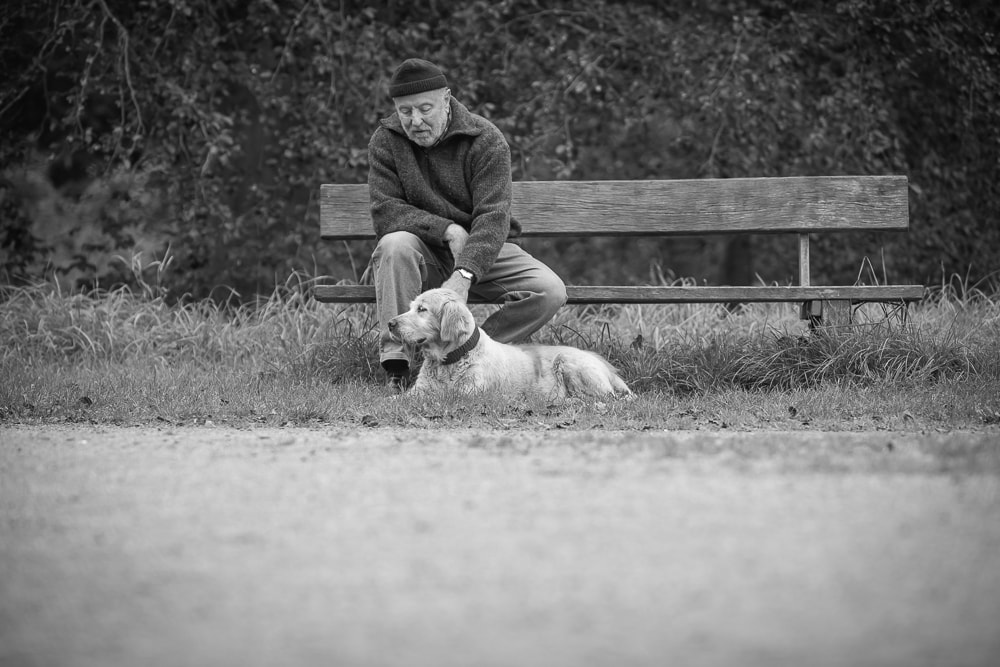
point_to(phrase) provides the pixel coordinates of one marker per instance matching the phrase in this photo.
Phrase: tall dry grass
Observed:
(140, 356)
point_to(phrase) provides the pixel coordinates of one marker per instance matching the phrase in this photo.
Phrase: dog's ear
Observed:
(456, 322)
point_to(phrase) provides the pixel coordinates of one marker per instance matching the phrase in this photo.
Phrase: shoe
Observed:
(397, 375)
(398, 382)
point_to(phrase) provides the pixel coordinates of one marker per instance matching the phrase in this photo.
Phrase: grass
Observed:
(128, 356)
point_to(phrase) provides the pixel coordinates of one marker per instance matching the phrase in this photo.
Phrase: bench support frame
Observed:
(795, 205)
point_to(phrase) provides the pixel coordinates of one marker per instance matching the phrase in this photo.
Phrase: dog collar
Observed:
(463, 349)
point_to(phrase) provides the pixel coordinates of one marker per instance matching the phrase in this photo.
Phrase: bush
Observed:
(207, 127)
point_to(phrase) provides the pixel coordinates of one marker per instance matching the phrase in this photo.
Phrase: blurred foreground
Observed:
(201, 546)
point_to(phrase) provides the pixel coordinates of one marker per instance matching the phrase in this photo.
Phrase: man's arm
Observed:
(460, 281)
(491, 195)
(389, 208)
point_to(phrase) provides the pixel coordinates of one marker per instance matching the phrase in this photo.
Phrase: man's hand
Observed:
(459, 284)
(456, 236)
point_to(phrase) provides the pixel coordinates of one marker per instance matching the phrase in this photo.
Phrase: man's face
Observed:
(424, 115)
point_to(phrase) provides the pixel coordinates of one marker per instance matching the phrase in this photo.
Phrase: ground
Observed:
(219, 546)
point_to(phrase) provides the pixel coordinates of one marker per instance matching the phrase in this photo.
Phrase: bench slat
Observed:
(675, 207)
(653, 294)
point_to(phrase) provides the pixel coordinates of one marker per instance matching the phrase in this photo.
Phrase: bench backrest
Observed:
(677, 207)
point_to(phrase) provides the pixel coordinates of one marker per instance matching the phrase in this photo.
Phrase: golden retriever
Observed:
(459, 354)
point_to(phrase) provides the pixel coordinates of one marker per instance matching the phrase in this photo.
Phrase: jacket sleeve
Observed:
(491, 188)
(389, 209)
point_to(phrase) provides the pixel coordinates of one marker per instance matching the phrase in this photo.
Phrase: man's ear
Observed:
(456, 324)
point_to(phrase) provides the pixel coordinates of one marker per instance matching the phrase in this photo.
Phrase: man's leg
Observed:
(530, 291)
(403, 265)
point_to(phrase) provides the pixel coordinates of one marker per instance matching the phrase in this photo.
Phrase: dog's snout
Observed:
(392, 325)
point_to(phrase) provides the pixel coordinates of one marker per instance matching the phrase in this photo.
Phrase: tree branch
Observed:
(125, 48)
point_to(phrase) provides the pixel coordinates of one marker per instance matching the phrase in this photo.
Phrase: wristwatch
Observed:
(465, 274)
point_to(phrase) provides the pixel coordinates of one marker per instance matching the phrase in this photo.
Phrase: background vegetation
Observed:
(200, 131)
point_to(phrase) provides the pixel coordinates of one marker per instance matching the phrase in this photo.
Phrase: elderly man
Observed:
(440, 185)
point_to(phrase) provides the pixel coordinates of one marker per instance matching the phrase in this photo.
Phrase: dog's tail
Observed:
(618, 384)
(589, 375)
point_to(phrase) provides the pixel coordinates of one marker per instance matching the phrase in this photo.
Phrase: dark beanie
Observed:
(416, 76)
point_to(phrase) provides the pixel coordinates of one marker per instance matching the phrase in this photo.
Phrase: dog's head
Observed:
(437, 322)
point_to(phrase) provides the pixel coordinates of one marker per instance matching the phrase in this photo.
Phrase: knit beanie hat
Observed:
(416, 76)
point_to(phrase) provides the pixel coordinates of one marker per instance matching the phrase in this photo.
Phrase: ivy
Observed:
(203, 130)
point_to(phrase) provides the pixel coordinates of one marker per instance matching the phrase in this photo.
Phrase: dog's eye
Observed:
(421, 309)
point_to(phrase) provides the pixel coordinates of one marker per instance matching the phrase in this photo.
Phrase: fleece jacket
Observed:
(464, 178)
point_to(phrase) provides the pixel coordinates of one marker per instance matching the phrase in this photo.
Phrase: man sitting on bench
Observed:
(440, 185)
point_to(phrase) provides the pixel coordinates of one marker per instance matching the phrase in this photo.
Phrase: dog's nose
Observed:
(392, 325)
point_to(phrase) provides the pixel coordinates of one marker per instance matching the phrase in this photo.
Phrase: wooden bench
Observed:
(795, 205)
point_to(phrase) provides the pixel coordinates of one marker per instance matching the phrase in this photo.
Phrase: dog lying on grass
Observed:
(458, 354)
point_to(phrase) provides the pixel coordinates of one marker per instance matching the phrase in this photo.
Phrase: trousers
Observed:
(404, 266)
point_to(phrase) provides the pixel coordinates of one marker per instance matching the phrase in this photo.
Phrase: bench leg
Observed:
(812, 311)
(835, 313)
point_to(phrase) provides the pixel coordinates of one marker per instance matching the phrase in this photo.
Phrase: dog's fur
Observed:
(438, 322)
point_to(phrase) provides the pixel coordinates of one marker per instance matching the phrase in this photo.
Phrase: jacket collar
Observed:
(462, 122)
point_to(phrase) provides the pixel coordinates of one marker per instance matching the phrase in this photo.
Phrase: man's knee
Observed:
(397, 251)
(397, 245)
(553, 292)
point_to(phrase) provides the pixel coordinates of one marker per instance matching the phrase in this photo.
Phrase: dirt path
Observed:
(216, 546)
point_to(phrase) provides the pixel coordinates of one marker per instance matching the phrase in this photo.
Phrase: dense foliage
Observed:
(199, 131)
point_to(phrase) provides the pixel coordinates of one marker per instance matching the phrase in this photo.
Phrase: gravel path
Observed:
(216, 546)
